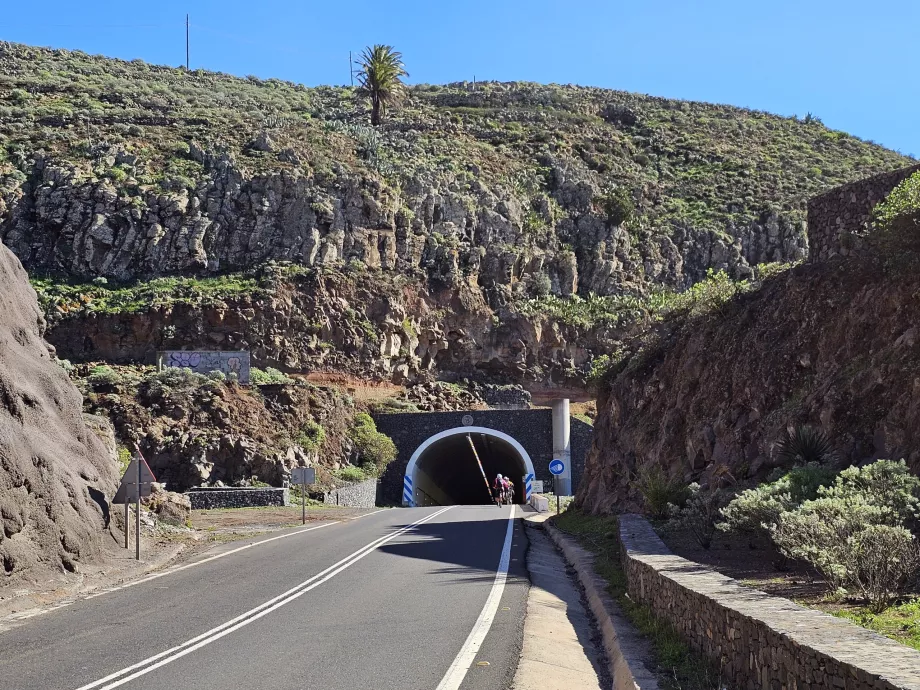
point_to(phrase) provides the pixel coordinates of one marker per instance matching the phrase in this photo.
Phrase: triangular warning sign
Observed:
(130, 475)
(128, 489)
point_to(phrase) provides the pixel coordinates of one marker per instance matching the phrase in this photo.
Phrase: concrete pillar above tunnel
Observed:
(444, 470)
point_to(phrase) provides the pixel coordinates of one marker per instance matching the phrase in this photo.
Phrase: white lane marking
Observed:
(250, 616)
(461, 665)
(224, 554)
(358, 517)
(18, 618)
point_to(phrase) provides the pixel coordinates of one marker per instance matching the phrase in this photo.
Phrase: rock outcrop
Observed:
(834, 345)
(54, 470)
(364, 323)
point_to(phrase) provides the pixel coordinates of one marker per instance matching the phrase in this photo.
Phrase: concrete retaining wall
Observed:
(203, 499)
(758, 640)
(839, 220)
(358, 495)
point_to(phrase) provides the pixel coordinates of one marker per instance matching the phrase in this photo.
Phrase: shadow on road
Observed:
(468, 547)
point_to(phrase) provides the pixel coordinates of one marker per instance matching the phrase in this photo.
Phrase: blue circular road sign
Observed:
(557, 467)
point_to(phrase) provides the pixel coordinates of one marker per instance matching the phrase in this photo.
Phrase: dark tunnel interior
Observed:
(447, 472)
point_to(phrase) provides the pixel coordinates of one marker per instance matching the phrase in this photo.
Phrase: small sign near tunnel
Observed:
(557, 467)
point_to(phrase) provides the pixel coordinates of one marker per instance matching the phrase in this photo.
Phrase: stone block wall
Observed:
(358, 495)
(839, 220)
(204, 499)
(759, 641)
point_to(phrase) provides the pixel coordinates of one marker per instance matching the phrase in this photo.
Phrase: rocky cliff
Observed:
(132, 171)
(54, 472)
(834, 345)
(364, 323)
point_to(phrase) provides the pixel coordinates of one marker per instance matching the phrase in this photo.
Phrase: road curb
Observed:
(624, 646)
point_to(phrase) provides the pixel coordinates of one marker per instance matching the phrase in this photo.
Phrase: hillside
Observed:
(130, 170)
(832, 345)
(492, 204)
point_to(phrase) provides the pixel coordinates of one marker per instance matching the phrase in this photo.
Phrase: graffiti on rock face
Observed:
(204, 362)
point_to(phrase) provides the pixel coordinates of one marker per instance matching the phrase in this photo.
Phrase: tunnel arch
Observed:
(510, 452)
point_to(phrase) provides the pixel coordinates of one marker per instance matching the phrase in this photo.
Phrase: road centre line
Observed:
(223, 554)
(455, 675)
(206, 638)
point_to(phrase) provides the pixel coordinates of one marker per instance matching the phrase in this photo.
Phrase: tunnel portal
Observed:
(444, 469)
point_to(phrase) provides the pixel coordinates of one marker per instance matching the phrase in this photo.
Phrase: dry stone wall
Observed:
(358, 495)
(759, 641)
(839, 219)
(206, 499)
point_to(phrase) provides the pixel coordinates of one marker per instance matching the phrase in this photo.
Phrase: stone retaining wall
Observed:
(759, 641)
(359, 495)
(203, 499)
(839, 220)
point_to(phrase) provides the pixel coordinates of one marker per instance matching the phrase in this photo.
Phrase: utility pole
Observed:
(351, 69)
(186, 45)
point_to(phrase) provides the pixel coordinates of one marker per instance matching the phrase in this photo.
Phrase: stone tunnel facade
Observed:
(532, 429)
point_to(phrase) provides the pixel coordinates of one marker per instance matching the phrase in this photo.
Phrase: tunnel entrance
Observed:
(443, 470)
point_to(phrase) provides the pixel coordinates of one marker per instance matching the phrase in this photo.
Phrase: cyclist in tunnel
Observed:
(498, 489)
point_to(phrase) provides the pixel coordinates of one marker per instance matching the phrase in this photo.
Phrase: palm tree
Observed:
(380, 78)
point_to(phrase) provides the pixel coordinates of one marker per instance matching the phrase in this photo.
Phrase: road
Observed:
(403, 598)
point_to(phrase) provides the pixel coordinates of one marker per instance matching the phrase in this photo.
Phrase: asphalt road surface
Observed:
(404, 598)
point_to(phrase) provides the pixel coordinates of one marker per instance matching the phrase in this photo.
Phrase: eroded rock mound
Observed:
(54, 471)
(833, 346)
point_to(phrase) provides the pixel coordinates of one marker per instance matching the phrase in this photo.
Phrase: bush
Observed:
(618, 206)
(806, 445)
(897, 218)
(757, 510)
(375, 449)
(173, 379)
(352, 474)
(103, 376)
(886, 484)
(856, 529)
(311, 437)
(698, 514)
(659, 491)
(882, 560)
(269, 376)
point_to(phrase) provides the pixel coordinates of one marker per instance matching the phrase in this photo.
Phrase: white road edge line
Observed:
(461, 665)
(248, 617)
(170, 571)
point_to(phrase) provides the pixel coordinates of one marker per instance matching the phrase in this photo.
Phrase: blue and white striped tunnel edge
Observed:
(408, 494)
(528, 486)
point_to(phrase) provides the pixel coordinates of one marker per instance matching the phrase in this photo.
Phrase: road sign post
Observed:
(303, 476)
(135, 484)
(558, 469)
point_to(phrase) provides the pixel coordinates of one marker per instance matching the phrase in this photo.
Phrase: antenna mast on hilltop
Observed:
(186, 44)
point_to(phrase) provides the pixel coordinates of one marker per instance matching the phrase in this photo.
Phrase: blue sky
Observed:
(852, 63)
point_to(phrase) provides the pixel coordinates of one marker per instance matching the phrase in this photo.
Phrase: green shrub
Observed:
(885, 483)
(103, 376)
(757, 510)
(855, 532)
(897, 218)
(697, 515)
(659, 491)
(311, 437)
(806, 445)
(124, 459)
(352, 474)
(173, 379)
(618, 206)
(375, 450)
(269, 376)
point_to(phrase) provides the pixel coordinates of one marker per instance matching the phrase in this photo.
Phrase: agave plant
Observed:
(806, 445)
(381, 78)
